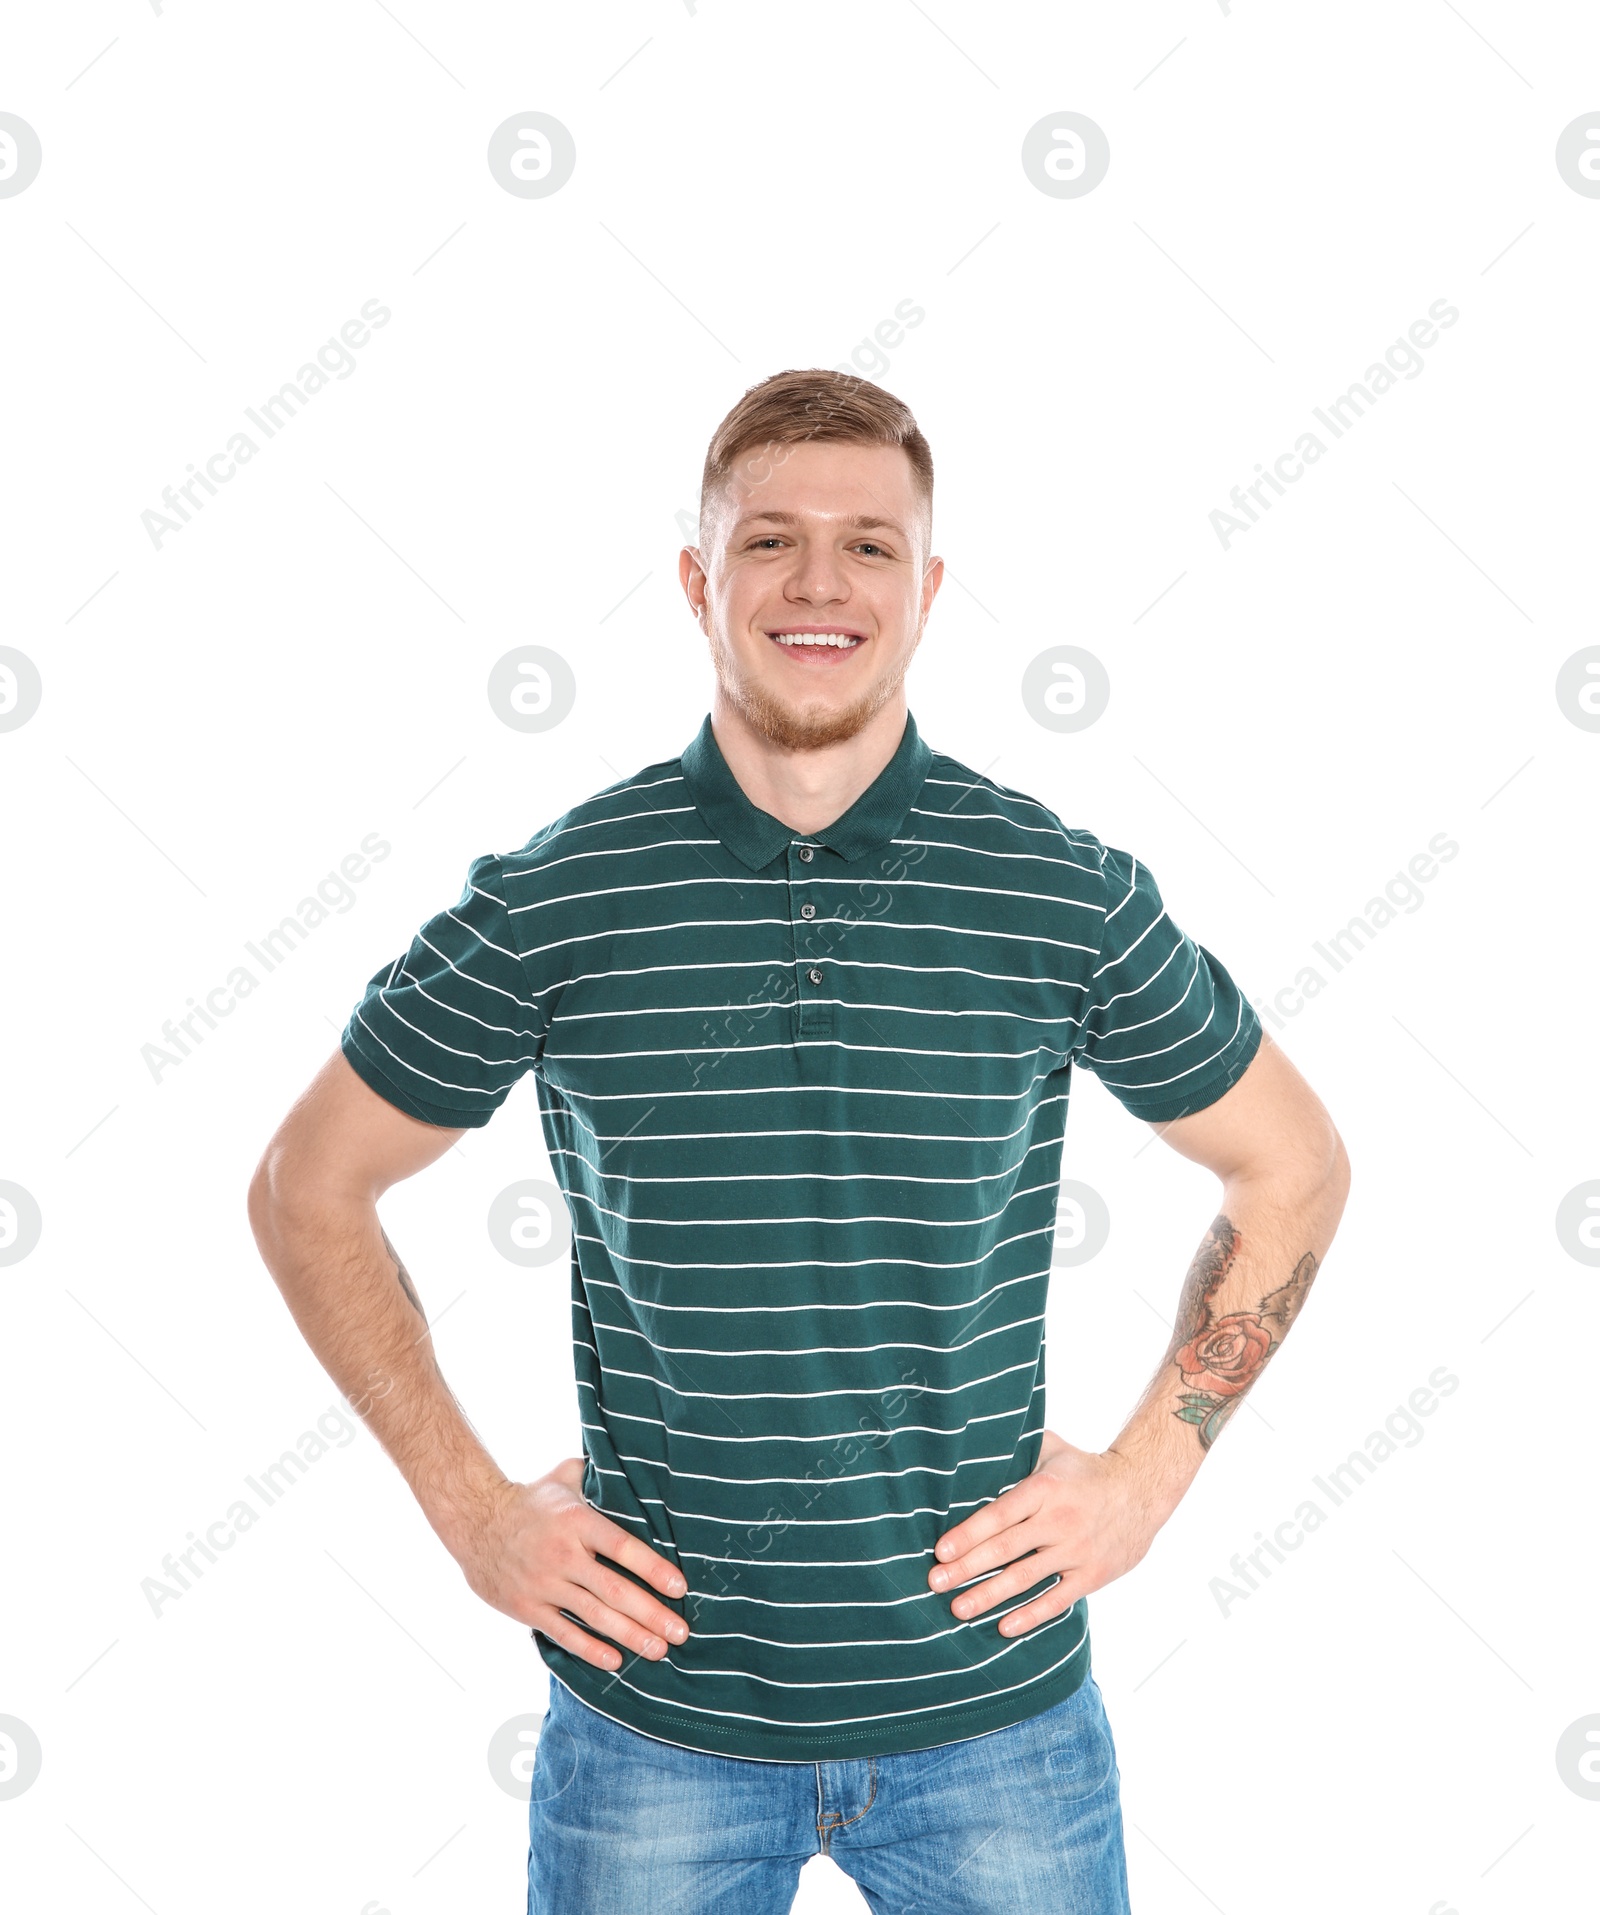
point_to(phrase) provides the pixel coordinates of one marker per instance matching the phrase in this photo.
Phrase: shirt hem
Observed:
(392, 1092)
(795, 1742)
(1211, 1087)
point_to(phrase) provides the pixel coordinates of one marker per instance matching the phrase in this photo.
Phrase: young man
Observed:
(803, 1004)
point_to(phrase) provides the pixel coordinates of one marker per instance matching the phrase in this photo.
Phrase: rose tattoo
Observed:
(1223, 1357)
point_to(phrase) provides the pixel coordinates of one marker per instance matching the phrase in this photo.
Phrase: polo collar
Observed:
(755, 837)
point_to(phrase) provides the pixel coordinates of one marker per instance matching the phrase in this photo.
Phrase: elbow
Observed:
(1310, 1171)
(258, 1199)
(1337, 1176)
(264, 1197)
(278, 1217)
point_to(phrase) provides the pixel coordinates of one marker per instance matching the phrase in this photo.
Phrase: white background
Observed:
(225, 717)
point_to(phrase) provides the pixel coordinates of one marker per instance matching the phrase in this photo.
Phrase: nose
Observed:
(818, 579)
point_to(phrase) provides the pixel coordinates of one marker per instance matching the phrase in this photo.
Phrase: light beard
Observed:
(792, 730)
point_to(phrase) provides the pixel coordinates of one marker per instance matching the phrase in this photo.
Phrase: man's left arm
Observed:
(1089, 1516)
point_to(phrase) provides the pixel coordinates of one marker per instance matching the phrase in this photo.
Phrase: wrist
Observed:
(1157, 1472)
(462, 1513)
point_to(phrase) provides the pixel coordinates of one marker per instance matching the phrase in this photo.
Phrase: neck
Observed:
(806, 789)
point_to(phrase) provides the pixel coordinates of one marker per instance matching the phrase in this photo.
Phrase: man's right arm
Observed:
(529, 1549)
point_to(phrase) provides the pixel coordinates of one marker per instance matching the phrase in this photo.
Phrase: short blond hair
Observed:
(796, 407)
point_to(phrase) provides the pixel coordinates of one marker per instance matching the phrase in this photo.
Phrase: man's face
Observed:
(813, 583)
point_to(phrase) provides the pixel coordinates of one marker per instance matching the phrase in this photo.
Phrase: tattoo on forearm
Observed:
(405, 1280)
(1219, 1359)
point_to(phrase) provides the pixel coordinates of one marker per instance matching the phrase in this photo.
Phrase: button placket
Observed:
(813, 975)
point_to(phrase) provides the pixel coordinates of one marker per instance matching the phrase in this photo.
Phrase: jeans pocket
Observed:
(556, 1755)
(1080, 1758)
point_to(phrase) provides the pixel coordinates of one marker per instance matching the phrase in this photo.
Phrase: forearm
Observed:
(1247, 1284)
(356, 1306)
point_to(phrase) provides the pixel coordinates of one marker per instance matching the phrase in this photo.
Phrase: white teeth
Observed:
(842, 640)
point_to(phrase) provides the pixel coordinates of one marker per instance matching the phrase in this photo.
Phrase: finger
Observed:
(622, 1628)
(1055, 1602)
(596, 1573)
(606, 1538)
(1006, 1584)
(1020, 1501)
(650, 1622)
(1003, 1548)
(576, 1641)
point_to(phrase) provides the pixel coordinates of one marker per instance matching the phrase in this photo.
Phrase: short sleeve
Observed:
(445, 1030)
(1165, 1029)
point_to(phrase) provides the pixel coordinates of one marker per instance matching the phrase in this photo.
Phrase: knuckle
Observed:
(587, 1607)
(562, 1562)
(614, 1588)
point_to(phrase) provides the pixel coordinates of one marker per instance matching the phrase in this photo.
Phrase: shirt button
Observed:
(806, 854)
(808, 910)
(814, 975)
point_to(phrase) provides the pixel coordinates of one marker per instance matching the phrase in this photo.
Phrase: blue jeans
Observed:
(1020, 1820)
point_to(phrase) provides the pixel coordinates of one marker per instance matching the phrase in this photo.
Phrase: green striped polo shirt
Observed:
(805, 1095)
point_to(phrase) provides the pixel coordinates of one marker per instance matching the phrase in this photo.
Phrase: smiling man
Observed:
(803, 1005)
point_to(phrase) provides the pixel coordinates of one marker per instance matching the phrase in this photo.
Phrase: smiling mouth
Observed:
(817, 643)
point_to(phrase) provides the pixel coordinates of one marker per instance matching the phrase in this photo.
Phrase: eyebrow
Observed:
(856, 522)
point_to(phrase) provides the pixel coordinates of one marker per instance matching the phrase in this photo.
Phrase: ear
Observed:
(692, 577)
(932, 579)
